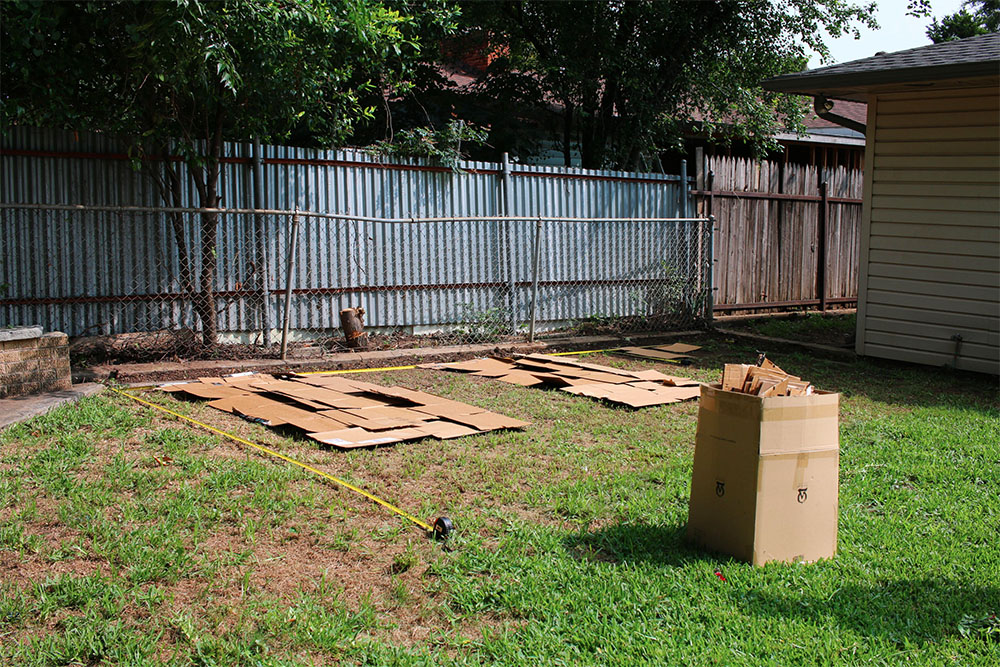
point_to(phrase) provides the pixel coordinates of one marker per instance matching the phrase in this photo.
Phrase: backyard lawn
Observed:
(128, 537)
(832, 328)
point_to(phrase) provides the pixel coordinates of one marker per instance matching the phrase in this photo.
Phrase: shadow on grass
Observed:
(918, 610)
(629, 542)
(894, 383)
(923, 609)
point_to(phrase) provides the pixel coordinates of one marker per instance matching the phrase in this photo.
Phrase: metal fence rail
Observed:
(430, 253)
(148, 272)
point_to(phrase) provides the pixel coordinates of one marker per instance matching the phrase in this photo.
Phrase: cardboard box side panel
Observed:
(723, 494)
(797, 507)
(799, 435)
(721, 419)
(730, 403)
(800, 423)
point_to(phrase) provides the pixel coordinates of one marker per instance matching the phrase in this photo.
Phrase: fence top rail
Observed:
(335, 216)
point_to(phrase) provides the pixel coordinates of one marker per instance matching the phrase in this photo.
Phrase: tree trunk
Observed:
(168, 185)
(568, 135)
(177, 222)
(350, 322)
(205, 299)
(206, 177)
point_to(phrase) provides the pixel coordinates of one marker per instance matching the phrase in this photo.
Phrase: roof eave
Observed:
(818, 83)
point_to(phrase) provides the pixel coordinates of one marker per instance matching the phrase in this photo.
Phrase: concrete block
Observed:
(61, 385)
(20, 333)
(26, 366)
(54, 339)
(23, 355)
(19, 409)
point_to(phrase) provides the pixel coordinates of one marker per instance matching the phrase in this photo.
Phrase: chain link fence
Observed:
(136, 283)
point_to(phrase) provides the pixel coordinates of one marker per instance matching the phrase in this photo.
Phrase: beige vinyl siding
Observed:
(932, 234)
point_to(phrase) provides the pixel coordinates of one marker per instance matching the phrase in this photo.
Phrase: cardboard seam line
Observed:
(270, 452)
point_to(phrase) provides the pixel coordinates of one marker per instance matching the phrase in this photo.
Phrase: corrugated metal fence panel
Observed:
(593, 270)
(122, 272)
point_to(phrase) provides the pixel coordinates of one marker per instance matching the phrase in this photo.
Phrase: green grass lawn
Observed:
(831, 328)
(127, 537)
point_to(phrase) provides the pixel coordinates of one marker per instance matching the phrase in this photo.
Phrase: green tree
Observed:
(976, 17)
(177, 78)
(629, 76)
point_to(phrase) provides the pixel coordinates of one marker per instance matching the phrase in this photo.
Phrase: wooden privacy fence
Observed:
(787, 235)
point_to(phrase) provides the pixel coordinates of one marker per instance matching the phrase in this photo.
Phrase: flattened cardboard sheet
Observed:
(339, 383)
(647, 384)
(202, 390)
(448, 409)
(354, 437)
(633, 388)
(485, 366)
(244, 404)
(244, 381)
(335, 399)
(597, 376)
(523, 378)
(566, 361)
(679, 348)
(651, 374)
(652, 353)
(598, 390)
(734, 375)
(672, 352)
(469, 366)
(765, 380)
(533, 366)
(343, 412)
(445, 430)
(639, 398)
(370, 423)
(386, 412)
(277, 414)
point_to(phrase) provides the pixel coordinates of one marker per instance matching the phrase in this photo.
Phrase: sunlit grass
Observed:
(130, 538)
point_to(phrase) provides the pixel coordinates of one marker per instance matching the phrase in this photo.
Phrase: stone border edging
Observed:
(20, 333)
(187, 370)
(21, 408)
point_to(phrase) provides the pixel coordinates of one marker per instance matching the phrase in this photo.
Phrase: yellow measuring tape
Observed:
(336, 480)
(279, 455)
(406, 368)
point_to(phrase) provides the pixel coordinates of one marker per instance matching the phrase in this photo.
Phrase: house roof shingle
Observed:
(963, 58)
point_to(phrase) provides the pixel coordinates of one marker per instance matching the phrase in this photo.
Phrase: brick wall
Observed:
(35, 364)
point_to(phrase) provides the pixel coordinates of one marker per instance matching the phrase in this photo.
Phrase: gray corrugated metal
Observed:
(114, 272)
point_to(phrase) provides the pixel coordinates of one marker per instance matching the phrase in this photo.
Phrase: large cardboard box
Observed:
(765, 481)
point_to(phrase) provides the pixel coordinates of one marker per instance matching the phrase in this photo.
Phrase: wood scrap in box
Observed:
(342, 412)
(632, 388)
(764, 380)
(675, 352)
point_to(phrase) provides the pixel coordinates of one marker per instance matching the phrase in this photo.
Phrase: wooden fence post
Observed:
(821, 246)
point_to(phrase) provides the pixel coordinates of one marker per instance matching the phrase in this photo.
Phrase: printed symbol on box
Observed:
(802, 495)
(720, 489)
